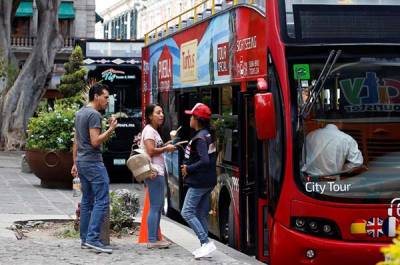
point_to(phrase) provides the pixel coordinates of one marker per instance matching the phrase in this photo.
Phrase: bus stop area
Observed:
(22, 198)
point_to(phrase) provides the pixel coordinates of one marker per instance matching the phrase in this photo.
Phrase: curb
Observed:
(6, 220)
(184, 237)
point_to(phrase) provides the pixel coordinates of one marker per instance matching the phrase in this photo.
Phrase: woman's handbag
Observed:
(139, 163)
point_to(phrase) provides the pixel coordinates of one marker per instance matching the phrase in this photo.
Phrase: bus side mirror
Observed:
(265, 116)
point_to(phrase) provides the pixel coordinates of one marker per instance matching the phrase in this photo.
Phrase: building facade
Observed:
(131, 19)
(121, 20)
(76, 20)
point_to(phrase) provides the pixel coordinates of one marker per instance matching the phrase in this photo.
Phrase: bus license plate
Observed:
(119, 161)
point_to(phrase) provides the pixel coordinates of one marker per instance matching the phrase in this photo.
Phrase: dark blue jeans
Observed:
(156, 188)
(195, 211)
(95, 199)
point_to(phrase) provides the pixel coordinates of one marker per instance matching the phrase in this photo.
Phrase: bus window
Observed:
(275, 146)
(359, 104)
(226, 125)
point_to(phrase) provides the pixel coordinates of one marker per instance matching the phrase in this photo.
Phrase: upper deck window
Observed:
(114, 49)
(341, 20)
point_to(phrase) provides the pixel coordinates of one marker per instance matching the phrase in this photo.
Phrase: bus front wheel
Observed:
(228, 227)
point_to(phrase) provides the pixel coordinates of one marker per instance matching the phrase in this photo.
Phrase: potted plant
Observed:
(50, 134)
(49, 145)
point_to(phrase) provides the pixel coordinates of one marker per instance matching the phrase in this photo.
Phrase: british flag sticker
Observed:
(374, 227)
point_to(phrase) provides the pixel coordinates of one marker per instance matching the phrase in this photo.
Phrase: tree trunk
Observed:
(5, 27)
(22, 99)
(5, 36)
(7, 12)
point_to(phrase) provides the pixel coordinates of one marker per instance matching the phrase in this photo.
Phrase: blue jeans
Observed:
(95, 199)
(195, 211)
(156, 188)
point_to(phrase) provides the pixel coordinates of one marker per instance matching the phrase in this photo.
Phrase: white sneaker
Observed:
(205, 250)
(195, 251)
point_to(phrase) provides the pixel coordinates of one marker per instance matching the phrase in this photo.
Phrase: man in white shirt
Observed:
(329, 151)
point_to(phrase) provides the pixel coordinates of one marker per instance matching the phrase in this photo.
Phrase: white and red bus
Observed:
(251, 62)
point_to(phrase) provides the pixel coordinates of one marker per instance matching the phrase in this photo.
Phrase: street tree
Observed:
(7, 59)
(73, 81)
(19, 103)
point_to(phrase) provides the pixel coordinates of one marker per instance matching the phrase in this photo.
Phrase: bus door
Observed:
(186, 101)
(252, 183)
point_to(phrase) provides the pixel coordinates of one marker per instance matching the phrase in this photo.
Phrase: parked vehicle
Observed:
(117, 64)
(250, 62)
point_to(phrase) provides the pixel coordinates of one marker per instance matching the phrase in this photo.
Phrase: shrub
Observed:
(392, 252)
(124, 207)
(73, 81)
(52, 130)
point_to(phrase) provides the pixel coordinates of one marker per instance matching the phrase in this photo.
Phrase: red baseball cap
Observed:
(200, 110)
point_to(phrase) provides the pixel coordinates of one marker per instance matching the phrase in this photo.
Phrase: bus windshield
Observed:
(291, 4)
(349, 141)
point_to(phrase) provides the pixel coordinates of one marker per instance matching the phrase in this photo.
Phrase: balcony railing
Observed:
(197, 13)
(29, 42)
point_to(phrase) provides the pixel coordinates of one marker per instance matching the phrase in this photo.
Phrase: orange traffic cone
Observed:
(143, 234)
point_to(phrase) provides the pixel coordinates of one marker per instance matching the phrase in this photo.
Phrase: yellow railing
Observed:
(198, 12)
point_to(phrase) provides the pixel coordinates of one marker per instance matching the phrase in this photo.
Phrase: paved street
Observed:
(22, 198)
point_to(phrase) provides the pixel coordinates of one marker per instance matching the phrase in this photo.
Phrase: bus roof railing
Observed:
(198, 12)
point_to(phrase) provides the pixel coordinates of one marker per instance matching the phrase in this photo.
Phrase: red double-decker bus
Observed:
(273, 72)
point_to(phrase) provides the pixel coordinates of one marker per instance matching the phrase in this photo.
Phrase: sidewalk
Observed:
(22, 198)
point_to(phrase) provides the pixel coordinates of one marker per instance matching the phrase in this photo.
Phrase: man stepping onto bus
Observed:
(199, 172)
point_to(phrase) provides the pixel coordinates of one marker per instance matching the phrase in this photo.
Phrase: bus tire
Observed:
(227, 228)
(231, 227)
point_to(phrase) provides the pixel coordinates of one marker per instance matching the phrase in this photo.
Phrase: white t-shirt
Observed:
(330, 151)
(149, 133)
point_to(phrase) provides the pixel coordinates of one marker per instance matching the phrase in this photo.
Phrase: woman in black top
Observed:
(199, 171)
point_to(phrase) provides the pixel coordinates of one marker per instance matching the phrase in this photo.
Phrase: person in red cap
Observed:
(199, 172)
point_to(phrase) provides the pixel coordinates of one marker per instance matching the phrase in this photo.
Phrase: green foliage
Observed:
(124, 207)
(8, 72)
(71, 101)
(220, 124)
(52, 130)
(12, 74)
(73, 81)
(68, 232)
(3, 65)
(392, 253)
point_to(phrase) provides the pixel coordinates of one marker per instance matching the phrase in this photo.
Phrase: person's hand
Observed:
(358, 170)
(74, 170)
(112, 121)
(169, 148)
(153, 175)
(184, 170)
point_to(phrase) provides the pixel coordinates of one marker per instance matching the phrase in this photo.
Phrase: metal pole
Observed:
(105, 229)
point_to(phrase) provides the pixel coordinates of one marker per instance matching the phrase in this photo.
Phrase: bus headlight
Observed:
(310, 254)
(316, 226)
(327, 229)
(300, 222)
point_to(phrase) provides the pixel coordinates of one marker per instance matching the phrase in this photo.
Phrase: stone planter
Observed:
(52, 167)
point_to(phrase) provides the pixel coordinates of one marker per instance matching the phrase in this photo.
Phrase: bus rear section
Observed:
(270, 83)
(117, 64)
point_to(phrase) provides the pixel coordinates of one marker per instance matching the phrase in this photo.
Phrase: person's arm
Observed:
(202, 151)
(354, 158)
(97, 138)
(74, 170)
(152, 150)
